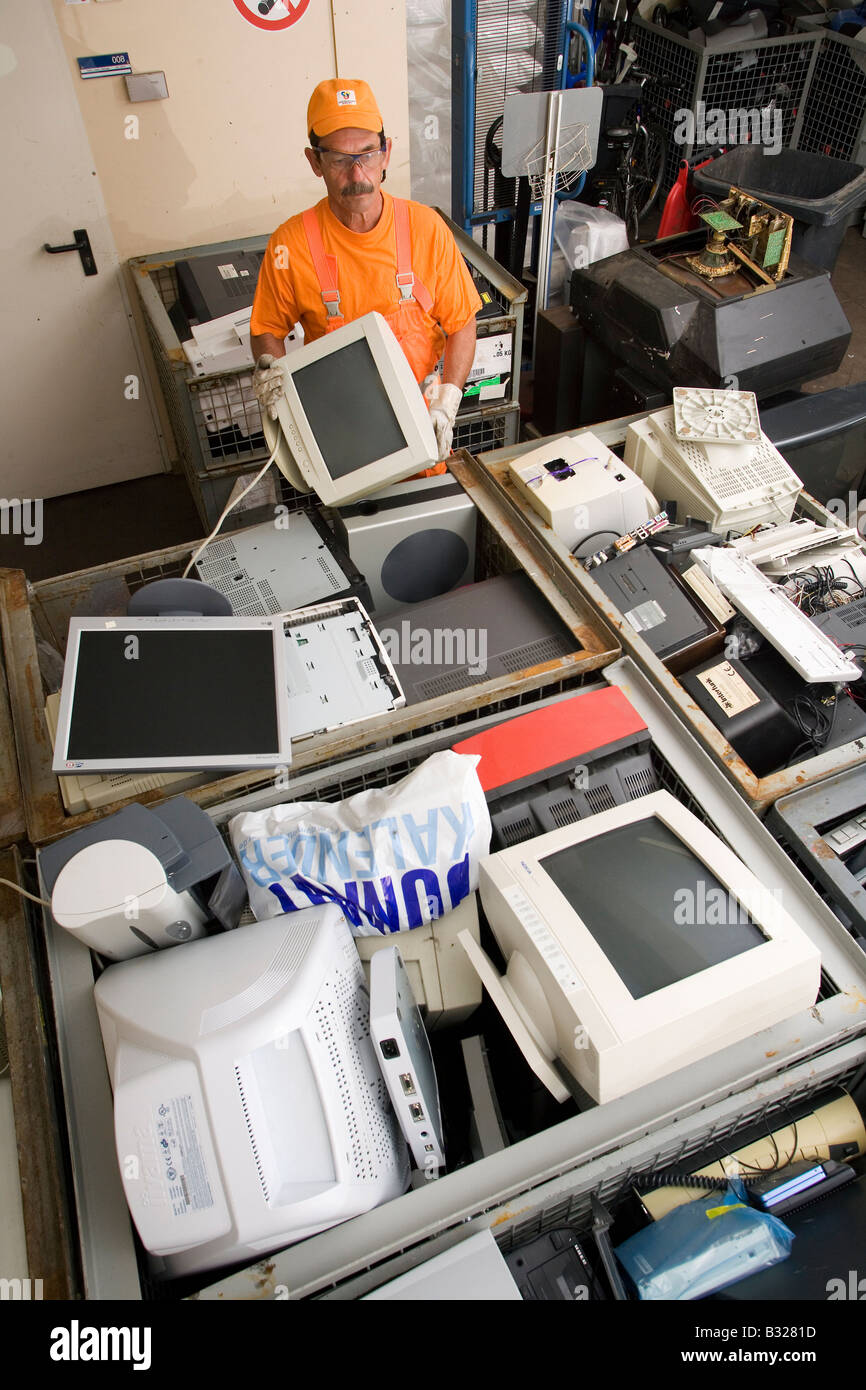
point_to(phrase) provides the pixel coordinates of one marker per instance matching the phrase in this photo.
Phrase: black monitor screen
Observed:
(173, 694)
(658, 913)
(348, 409)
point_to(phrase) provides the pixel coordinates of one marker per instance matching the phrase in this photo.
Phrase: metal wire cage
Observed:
(769, 75)
(834, 118)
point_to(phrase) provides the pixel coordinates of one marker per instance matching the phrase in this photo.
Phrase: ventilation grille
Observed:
(218, 550)
(447, 683)
(253, 1146)
(752, 467)
(336, 581)
(515, 831)
(245, 600)
(537, 653)
(639, 783)
(563, 812)
(343, 1027)
(599, 798)
(273, 978)
(215, 567)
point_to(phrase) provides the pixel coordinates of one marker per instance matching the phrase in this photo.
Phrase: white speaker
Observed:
(412, 541)
(113, 895)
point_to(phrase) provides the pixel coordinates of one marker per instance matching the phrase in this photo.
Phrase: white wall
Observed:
(223, 156)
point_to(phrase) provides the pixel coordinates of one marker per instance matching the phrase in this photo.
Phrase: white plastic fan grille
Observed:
(710, 415)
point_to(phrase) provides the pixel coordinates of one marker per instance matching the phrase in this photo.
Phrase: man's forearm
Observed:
(459, 354)
(266, 342)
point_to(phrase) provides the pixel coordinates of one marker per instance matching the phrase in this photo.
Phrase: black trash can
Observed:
(823, 195)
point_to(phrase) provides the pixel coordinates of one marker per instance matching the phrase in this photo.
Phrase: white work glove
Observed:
(444, 400)
(269, 384)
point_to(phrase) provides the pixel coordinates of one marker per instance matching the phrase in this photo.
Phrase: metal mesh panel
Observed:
(228, 421)
(767, 78)
(660, 54)
(835, 112)
(515, 51)
(488, 429)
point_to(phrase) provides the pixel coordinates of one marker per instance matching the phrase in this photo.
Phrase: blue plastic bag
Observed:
(704, 1246)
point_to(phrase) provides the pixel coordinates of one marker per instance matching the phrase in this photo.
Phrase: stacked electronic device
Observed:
(757, 610)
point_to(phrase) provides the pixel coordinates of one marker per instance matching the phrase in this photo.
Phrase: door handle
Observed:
(81, 244)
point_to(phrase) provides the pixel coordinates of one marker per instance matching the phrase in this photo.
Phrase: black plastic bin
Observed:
(823, 195)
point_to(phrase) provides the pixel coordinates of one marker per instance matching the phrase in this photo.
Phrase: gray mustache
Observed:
(355, 190)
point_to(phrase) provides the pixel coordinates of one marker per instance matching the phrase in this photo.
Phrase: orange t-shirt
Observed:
(288, 290)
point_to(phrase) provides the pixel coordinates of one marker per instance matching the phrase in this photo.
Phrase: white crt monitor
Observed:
(249, 1109)
(637, 943)
(353, 417)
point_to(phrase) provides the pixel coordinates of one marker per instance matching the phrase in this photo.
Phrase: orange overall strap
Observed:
(325, 268)
(409, 287)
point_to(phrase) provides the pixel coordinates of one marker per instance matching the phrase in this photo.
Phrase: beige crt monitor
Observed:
(353, 418)
(637, 943)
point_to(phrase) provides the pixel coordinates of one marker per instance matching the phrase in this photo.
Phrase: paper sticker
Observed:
(228, 272)
(731, 693)
(539, 933)
(646, 615)
(183, 1163)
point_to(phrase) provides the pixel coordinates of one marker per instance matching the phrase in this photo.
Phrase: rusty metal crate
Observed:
(43, 610)
(528, 1185)
(12, 824)
(215, 419)
(47, 1208)
(759, 792)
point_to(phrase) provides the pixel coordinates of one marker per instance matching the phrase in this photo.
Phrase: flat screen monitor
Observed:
(353, 418)
(169, 694)
(637, 943)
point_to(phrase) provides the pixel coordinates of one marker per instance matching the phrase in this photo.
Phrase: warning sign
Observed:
(271, 14)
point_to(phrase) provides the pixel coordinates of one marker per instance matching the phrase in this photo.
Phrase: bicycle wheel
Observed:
(648, 167)
(622, 203)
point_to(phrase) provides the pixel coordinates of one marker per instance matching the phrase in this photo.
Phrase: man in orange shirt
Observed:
(360, 249)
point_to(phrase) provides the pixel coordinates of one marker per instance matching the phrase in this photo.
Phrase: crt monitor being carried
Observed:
(353, 418)
(637, 943)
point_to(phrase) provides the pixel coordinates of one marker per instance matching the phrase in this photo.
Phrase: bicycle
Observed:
(642, 155)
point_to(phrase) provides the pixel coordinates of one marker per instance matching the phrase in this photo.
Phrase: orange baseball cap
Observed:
(342, 103)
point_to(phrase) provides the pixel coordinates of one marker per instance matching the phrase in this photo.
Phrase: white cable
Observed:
(230, 507)
(23, 891)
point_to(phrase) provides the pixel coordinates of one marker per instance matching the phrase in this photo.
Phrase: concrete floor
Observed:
(158, 511)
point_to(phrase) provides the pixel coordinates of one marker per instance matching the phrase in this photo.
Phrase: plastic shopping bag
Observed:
(392, 859)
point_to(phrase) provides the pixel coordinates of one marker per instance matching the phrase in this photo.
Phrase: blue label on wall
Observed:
(105, 65)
